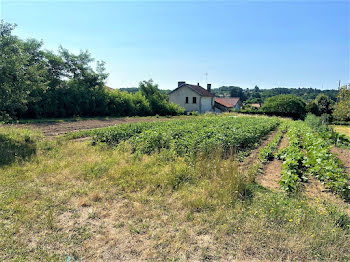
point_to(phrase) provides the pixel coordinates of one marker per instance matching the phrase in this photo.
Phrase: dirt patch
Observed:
(253, 157)
(271, 175)
(284, 142)
(344, 156)
(124, 230)
(272, 171)
(50, 129)
(314, 190)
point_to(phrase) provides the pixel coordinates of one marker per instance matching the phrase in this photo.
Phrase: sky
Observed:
(242, 43)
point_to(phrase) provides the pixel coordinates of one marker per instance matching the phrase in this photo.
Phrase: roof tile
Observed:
(227, 102)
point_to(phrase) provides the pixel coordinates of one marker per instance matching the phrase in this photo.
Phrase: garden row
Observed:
(308, 153)
(189, 137)
(268, 152)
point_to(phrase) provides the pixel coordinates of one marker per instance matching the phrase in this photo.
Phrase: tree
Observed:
(158, 100)
(237, 92)
(323, 103)
(285, 105)
(342, 108)
(40, 83)
(22, 74)
(312, 108)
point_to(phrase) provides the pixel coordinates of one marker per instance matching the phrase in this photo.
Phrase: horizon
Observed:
(238, 43)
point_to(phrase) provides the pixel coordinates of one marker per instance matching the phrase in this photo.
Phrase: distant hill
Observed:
(129, 89)
(257, 95)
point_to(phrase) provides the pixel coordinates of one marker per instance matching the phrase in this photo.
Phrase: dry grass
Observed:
(345, 130)
(94, 203)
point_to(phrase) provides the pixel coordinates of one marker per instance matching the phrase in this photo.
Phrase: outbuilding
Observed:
(224, 104)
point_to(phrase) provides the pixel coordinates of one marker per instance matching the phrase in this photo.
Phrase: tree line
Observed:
(257, 95)
(38, 83)
(296, 107)
(332, 105)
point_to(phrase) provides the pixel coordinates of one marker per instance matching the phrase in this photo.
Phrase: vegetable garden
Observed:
(163, 186)
(308, 154)
(190, 137)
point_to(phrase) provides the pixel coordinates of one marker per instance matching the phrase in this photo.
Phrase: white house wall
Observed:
(207, 104)
(179, 97)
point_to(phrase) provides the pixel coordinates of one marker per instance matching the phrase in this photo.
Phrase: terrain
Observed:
(199, 189)
(52, 128)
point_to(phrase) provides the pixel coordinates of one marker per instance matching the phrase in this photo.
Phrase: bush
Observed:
(285, 105)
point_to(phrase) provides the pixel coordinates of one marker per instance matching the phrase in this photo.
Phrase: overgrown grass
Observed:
(17, 144)
(75, 201)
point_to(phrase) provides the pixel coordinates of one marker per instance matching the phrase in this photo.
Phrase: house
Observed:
(227, 104)
(193, 97)
(255, 105)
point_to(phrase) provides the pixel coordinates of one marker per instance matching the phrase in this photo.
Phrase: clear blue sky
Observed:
(244, 43)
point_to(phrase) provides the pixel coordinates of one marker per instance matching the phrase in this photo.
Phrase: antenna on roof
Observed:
(206, 77)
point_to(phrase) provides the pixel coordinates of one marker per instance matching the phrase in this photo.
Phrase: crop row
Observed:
(189, 137)
(268, 152)
(115, 134)
(292, 158)
(309, 153)
(323, 165)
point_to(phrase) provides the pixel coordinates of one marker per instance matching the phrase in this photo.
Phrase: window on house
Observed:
(194, 100)
(186, 99)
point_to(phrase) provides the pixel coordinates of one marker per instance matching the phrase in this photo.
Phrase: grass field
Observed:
(342, 130)
(66, 200)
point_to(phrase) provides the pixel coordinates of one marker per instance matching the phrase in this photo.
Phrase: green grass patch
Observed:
(17, 144)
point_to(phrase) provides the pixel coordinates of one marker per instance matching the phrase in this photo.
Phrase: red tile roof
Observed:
(227, 102)
(198, 89)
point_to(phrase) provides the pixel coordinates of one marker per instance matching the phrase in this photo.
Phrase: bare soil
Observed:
(344, 156)
(253, 157)
(272, 171)
(51, 129)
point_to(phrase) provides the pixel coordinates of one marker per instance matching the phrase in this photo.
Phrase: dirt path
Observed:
(344, 156)
(272, 171)
(253, 157)
(50, 129)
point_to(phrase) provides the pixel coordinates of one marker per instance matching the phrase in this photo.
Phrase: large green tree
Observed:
(22, 71)
(285, 105)
(324, 104)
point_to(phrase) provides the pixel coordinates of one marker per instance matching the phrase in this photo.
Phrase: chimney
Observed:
(209, 87)
(197, 84)
(180, 83)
